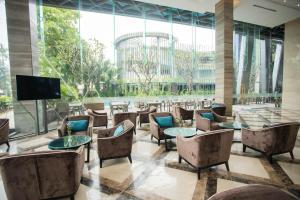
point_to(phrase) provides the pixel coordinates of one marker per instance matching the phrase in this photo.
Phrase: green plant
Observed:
(5, 101)
(68, 93)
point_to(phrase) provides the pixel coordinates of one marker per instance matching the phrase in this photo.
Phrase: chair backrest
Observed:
(152, 109)
(94, 106)
(199, 112)
(219, 108)
(4, 123)
(254, 191)
(79, 117)
(119, 117)
(160, 114)
(42, 175)
(214, 146)
(127, 125)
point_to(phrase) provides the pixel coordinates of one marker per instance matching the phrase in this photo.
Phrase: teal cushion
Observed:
(78, 125)
(164, 121)
(119, 130)
(208, 115)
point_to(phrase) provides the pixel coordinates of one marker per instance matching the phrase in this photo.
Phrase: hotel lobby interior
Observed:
(150, 99)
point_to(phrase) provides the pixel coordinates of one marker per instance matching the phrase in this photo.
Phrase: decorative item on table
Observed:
(68, 139)
(69, 129)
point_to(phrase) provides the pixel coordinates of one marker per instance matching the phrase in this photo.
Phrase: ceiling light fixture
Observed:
(298, 5)
(284, 1)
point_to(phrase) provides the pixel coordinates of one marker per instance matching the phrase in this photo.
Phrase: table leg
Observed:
(166, 144)
(88, 152)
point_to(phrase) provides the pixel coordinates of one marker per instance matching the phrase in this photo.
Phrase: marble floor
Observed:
(156, 174)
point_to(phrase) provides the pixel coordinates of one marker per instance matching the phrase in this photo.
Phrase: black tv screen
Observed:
(36, 88)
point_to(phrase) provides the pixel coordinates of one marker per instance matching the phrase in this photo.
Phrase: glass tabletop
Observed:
(185, 132)
(233, 125)
(69, 142)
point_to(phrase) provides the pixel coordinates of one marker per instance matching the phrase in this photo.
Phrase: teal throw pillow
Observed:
(78, 125)
(164, 121)
(119, 130)
(208, 115)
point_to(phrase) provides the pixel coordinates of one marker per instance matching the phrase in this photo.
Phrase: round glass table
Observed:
(71, 142)
(237, 126)
(178, 131)
(233, 125)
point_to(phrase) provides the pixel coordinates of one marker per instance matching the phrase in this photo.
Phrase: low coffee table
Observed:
(237, 126)
(178, 131)
(71, 142)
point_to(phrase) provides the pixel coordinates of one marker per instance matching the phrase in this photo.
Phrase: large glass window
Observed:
(5, 80)
(121, 48)
(257, 63)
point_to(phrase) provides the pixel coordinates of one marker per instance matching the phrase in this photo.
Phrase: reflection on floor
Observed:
(156, 174)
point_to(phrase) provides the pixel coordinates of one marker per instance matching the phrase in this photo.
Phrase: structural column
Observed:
(291, 66)
(224, 53)
(23, 56)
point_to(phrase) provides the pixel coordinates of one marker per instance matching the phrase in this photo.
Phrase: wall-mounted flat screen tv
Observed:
(37, 88)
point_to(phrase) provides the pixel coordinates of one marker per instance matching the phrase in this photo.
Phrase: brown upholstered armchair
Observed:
(276, 139)
(205, 124)
(207, 149)
(144, 115)
(62, 131)
(157, 131)
(110, 146)
(4, 131)
(183, 114)
(100, 118)
(42, 175)
(120, 117)
(254, 191)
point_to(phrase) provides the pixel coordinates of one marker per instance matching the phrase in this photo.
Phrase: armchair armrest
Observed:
(104, 133)
(90, 126)
(261, 139)
(219, 118)
(188, 149)
(202, 123)
(154, 127)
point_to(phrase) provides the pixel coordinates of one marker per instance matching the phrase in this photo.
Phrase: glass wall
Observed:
(5, 87)
(258, 57)
(128, 48)
(134, 50)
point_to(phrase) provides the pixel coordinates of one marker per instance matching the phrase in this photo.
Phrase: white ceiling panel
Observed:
(268, 13)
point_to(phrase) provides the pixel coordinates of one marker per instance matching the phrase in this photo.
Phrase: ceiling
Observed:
(288, 3)
(268, 13)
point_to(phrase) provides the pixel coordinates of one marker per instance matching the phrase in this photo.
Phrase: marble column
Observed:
(291, 66)
(23, 55)
(224, 53)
